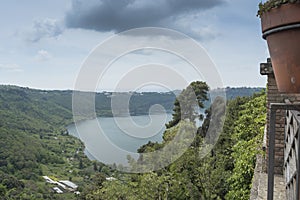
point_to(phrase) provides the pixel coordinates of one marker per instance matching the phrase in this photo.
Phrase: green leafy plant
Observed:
(268, 5)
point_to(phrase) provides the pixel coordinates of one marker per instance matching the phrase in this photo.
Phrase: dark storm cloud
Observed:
(120, 15)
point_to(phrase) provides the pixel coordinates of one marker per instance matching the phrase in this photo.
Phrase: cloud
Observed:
(10, 67)
(43, 55)
(45, 28)
(120, 15)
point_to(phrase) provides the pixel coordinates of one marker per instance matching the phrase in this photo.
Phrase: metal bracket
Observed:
(266, 68)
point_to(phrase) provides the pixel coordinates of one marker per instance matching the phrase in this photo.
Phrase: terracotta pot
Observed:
(281, 29)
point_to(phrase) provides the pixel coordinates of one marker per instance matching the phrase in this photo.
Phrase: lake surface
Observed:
(111, 139)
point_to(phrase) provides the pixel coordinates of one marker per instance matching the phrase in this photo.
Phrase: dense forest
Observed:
(35, 143)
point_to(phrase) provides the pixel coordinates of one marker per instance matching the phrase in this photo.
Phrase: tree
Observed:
(188, 103)
(3, 190)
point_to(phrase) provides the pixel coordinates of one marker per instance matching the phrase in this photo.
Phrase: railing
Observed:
(291, 154)
(291, 163)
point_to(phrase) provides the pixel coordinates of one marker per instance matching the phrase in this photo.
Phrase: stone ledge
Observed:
(260, 183)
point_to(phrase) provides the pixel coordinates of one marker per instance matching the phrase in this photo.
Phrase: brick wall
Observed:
(273, 96)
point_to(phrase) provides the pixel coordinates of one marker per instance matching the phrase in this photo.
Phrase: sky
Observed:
(44, 44)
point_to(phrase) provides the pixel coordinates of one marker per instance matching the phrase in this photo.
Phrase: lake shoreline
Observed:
(94, 144)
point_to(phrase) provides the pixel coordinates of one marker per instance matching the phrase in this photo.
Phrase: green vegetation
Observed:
(225, 173)
(232, 93)
(34, 143)
(248, 135)
(268, 5)
(187, 101)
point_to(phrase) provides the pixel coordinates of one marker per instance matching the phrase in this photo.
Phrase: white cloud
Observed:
(10, 67)
(43, 55)
(45, 28)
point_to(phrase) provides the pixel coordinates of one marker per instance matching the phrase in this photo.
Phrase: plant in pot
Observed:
(280, 21)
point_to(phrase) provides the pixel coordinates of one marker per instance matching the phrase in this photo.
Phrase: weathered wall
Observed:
(274, 96)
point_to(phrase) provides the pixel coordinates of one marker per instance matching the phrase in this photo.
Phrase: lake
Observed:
(110, 139)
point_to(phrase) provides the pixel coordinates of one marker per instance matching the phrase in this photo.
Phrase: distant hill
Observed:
(139, 103)
(232, 93)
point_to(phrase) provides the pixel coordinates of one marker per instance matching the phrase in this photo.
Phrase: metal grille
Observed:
(291, 154)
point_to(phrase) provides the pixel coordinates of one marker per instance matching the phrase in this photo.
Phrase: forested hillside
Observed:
(225, 173)
(139, 103)
(232, 93)
(35, 143)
